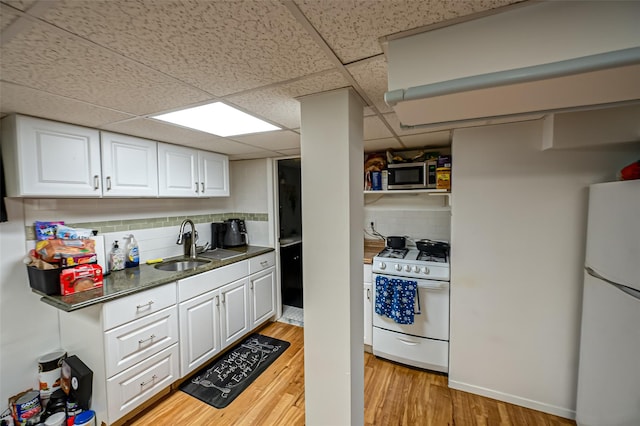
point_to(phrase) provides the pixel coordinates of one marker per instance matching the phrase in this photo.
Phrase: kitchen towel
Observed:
(224, 379)
(396, 299)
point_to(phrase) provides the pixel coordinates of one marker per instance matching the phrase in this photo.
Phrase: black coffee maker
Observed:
(236, 233)
(218, 230)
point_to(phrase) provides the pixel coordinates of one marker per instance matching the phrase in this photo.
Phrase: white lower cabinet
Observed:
(214, 312)
(130, 344)
(368, 306)
(137, 384)
(140, 344)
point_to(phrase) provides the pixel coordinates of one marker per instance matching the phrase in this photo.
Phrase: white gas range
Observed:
(425, 342)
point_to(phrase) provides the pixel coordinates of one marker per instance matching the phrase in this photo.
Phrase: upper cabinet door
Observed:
(177, 171)
(214, 174)
(49, 159)
(129, 166)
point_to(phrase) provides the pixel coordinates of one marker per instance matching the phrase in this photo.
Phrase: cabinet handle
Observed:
(108, 183)
(153, 378)
(369, 293)
(196, 187)
(96, 182)
(146, 305)
(141, 341)
(264, 263)
(217, 300)
(251, 286)
(202, 187)
(223, 298)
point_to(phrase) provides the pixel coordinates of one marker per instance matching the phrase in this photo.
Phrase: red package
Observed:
(630, 172)
(80, 278)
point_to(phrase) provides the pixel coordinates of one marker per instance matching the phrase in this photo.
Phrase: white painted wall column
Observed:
(332, 200)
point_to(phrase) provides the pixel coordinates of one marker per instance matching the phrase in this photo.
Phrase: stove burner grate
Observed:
(432, 257)
(393, 253)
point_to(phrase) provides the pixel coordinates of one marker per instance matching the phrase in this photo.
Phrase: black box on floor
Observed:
(77, 381)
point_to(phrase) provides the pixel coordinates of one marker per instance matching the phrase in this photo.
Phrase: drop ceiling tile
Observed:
(274, 141)
(278, 104)
(254, 155)
(352, 28)
(46, 58)
(221, 47)
(7, 16)
(371, 75)
(442, 138)
(289, 152)
(374, 128)
(20, 4)
(159, 131)
(24, 100)
(379, 145)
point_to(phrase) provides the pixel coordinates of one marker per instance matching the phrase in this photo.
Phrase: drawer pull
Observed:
(196, 187)
(369, 294)
(202, 187)
(146, 305)
(408, 342)
(96, 182)
(108, 183)
(153, 378)
(264, 263)
(141, 341)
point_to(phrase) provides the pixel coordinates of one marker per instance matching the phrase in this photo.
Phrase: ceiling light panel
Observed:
(218, 119)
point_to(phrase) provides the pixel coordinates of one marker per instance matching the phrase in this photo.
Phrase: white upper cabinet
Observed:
(177, 171)
(186, 172)
(45, 158)
(214, 174)
(129, 166)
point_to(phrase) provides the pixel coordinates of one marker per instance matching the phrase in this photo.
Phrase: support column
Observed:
(332, 223)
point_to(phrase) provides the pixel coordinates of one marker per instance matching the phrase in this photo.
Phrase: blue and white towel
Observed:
(396, 298)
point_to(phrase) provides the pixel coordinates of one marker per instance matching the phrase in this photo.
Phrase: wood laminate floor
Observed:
(394, 395)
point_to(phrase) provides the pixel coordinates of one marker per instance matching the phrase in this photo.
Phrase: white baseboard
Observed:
(512, 399)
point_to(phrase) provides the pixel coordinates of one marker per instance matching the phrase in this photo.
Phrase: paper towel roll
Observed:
(100, 253)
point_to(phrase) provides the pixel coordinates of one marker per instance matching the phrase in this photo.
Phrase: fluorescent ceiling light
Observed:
(218, 119)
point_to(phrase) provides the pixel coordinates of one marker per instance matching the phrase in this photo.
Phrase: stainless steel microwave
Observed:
(412, 175)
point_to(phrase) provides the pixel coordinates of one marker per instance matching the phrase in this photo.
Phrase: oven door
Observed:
(432, 321)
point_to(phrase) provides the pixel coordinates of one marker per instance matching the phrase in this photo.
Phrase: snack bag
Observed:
(46, 230)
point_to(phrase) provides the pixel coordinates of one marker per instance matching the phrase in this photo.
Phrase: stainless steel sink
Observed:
(181, 264)
(220, 254)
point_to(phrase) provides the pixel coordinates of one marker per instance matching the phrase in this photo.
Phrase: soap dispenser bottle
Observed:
(132, 252)
(116, 258)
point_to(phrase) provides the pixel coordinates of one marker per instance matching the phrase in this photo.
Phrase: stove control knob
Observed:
(382, 265)
(398, 267)
(425, 270)
(416, 269)
(407, 268)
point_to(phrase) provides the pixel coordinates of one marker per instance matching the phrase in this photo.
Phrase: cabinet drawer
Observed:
(134, 386)
(138, 305)
(417, 351)
(200, 284)
(259, 263)
(131, 343)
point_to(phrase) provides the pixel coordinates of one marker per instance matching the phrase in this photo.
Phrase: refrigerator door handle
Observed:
(630, 291)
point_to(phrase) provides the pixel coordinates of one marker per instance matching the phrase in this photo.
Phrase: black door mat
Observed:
(224, 379)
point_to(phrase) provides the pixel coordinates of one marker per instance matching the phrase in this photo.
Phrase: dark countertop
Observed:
(132, 280)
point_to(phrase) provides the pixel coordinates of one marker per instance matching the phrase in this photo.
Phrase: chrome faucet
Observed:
(191, 251)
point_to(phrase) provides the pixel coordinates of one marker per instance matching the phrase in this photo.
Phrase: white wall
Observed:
(414, 215)
(517, 250)
(29, 328)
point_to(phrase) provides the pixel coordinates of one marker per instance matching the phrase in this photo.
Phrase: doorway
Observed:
(290, 238)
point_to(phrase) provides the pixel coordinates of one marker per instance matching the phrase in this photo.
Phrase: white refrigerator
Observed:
(609, 367)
